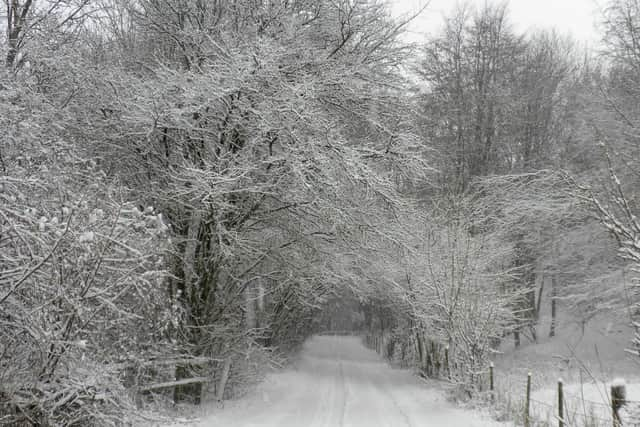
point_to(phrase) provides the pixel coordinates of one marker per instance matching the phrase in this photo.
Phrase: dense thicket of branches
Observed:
(535, 148)
(183, 181)
(186, 185)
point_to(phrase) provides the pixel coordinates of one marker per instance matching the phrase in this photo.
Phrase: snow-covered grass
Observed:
(585, 404)
(587, 359)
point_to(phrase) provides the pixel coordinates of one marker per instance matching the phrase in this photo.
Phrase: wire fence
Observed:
(573, 409)
(566, 408)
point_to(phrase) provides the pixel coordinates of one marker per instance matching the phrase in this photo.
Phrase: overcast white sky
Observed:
(576, 17)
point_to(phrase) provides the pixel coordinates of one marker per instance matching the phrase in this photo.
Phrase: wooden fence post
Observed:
(560, 404)
(618, 399)
(491, 382)
(527, 421)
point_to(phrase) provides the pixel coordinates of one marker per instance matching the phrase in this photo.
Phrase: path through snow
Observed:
(340, 383)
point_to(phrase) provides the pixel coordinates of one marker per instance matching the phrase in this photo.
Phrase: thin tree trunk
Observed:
(190, 248)
(554, 290)
(250, 306)
(223, 380)
(540, 297)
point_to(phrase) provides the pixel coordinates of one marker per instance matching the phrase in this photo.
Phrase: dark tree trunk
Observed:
(554, 290)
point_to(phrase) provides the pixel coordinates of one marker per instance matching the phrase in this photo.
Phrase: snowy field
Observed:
(587, 360)
(586, 404)
(339, 382)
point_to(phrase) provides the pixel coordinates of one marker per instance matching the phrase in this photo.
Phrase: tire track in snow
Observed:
(331, 406)
(384, 386)
(402, 413)
(338, 398)
(340, 383)
(343, 406)
(375, 384)
(322, 407)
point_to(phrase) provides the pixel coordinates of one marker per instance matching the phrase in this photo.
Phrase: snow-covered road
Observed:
(338, 382)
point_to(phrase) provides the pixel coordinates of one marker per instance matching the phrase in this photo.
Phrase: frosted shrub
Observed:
(80, 295)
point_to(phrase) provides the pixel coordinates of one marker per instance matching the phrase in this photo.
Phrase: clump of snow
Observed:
(86, 237)
(618, 382)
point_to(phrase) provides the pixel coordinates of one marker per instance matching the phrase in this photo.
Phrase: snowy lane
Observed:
(340, 383)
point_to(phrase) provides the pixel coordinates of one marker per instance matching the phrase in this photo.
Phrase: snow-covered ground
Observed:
(586, 404)
(587, 359)
(339, 382)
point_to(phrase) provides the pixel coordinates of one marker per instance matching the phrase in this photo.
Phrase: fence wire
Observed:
(578, 410)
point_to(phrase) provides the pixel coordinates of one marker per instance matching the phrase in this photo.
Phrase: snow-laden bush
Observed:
(81, 273)
(464, 301)
(80, 293)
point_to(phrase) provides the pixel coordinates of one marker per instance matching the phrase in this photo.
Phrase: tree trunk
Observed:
(190, 248)
(250, 307)
(223, 380)
(532, 312)
(420, 350)
(554, 290)
(540, 297)
(15, 26)
(11, 57)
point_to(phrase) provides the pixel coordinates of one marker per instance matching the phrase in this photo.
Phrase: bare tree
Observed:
(26, 19)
